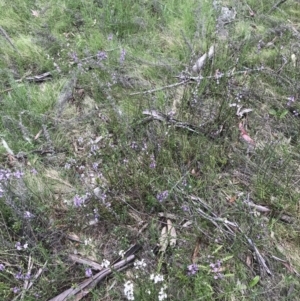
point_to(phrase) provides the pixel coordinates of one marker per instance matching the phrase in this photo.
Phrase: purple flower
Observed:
(192, 269)
(162, 196)
(15, 290)
(18, 174)
(88, 272)
(153, 162)
(215, 268)
(2, 267)
(27, 276)
(78, 201)
(34, 171)
(122, 56)
(185, 208)
(101, 55)
(18, 246)
(74, 57)
(95, 165)
(110, 37)
(19, 276)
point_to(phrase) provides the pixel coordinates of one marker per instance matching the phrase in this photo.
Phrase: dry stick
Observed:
(186, 79)
(6, 90)
(86, 286)
(276, 5)
(161, 88)
(5, 35)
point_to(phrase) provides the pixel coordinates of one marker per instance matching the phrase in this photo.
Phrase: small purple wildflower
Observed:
(192, 269)
(78, 201)
(94, 148)
(27, 276)
(101, 55)
(134, 145)
(18, 174)
(19, 276)
(152, 162)
(74, 57)
(122, 56)
(33, 171)
(95, 165)
(96, 214)
(110, 37)
(15, 290)
(216, 268)
(185, 208)
(88, 272)
(162, 196)
(18, 246)
(2, 267)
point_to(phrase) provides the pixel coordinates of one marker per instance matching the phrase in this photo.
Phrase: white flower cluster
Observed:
(128, 290)
(140, 264)
(162, 294)
(157, 278)
(105, 263)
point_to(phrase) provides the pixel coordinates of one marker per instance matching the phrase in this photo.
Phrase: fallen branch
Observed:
(86, 286)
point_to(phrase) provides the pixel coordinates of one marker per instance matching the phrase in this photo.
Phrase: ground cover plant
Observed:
(149, 150)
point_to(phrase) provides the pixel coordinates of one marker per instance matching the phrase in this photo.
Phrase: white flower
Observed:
(87, 241)
(140, 264)
(157, 278)
(128, 290)
(105, 263)
(162, 294)
(122, 253)
(25, 246)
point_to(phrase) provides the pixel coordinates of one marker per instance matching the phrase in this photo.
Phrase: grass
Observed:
(110, 151)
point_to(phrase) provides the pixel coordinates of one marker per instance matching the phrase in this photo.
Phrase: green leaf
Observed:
(283, 113)
(272, 112)
(254, 281)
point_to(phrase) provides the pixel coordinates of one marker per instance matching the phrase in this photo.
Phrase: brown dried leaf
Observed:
(196, 251)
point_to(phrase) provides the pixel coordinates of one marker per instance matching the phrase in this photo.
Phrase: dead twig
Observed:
(187, 79)
(5, 35)
(161, 88)
(275, 6)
